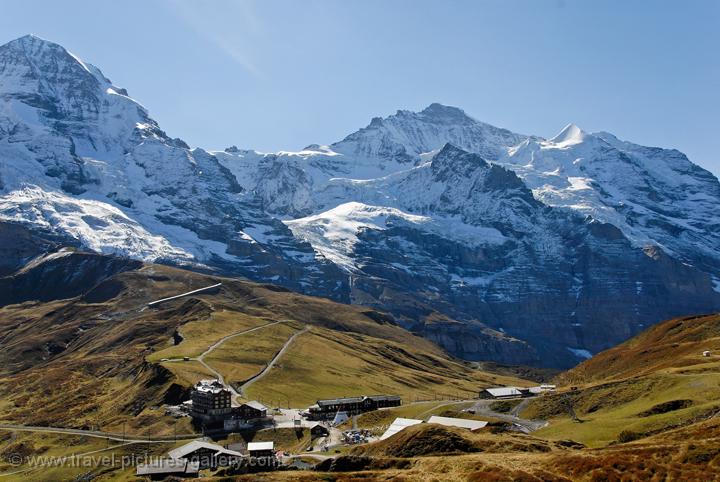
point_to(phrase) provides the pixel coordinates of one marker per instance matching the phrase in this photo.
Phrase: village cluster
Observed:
(214, 411)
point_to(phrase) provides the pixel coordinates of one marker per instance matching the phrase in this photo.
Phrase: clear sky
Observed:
(275, 75)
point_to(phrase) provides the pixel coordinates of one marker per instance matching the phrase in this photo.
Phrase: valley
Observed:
(114, 365)
(111, 341)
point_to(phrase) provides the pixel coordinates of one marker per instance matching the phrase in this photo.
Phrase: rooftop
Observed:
(504, 391)
(256, 405)
(398, 425)
(337, 401)
(384, 397)
(257, 446)
(191, 447)
(210, 386)
(168, 466)
(457, 422)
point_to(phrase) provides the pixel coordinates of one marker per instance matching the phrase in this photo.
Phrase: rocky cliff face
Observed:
(496, 245)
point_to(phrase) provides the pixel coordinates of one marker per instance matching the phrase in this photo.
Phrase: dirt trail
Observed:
(277, 356)
(214, 346)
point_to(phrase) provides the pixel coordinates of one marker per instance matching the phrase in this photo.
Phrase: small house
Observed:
(261, 449)
(318, 430)
(250, 410)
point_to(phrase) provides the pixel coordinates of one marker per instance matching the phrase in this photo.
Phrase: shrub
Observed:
(628, 436)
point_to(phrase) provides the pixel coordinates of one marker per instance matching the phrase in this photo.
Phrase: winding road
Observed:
(269, 366)
(482, 407)
(238, 393)
(218, 343)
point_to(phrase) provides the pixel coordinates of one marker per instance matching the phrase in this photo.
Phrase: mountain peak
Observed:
(571, 134)
(32, 44)
(43, 54)
(31, 64)
(445, 112)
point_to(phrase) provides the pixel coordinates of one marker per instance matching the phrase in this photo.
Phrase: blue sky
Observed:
(274, 75)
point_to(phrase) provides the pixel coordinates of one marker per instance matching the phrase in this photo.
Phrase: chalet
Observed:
(261, 449)
(162, 469)
(206, 455)
(250, 410)
(318, 430)
(262, 456)
(374, 402)
(211, 401)
(326, 409)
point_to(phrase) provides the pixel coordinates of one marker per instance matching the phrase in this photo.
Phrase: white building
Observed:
(398, 425)
(501, 392)
(457, 422)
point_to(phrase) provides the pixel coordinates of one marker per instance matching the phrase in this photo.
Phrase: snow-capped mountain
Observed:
(494, 244)
(80, 157)
(655, 196)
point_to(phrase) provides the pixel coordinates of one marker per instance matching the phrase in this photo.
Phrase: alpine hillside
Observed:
(495, 245)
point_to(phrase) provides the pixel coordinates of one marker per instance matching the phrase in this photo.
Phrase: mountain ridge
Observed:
(431, 215)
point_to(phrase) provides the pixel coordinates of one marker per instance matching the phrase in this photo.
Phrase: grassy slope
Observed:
(663, 364)
(95, 359)
(428, 453)
(102, 374)
(52, 457)
(199, 334)
(614, 389)
(324, 363)
(674, 346)
(244, 356)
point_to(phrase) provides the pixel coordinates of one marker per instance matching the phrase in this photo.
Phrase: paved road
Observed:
(269, 366)
(435, 407)
(482, 407)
